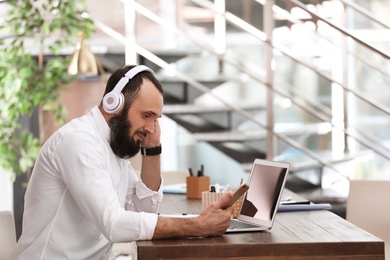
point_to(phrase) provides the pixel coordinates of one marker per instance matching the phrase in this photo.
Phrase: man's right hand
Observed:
(216, 217)
(213, 221)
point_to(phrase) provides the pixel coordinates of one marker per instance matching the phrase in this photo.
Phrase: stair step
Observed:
(195, 123)
(178, 91)
(239, 151)
(302, 162)
(169, 56)
(200, 109)
(113, 59)
(280, 128)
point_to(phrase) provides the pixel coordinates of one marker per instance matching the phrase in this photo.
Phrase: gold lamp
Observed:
(83, 61)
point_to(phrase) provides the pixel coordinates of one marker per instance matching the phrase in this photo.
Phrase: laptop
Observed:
(260, 203)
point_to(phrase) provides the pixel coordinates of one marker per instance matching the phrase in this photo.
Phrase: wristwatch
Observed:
(151, 151)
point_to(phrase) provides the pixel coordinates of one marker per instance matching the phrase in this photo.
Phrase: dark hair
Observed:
(131, 89)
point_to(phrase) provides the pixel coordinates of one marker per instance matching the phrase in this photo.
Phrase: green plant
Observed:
(31, 71)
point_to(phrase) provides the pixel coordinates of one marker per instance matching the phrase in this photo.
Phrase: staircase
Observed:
(295, 85)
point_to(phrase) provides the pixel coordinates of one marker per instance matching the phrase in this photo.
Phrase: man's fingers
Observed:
(224, 201)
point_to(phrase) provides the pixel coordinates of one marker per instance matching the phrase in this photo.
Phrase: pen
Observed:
(200, 172)
(191, 173)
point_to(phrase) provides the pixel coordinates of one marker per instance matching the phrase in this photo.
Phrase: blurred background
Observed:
(305, 82)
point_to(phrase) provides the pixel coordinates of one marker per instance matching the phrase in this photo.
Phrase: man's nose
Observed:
(149, 127)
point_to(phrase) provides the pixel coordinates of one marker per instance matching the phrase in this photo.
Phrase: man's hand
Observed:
(152, 138)
(216, 217)
(213, 221)
(150, 172)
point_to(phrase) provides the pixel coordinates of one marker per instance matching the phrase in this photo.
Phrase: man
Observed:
(84, 195)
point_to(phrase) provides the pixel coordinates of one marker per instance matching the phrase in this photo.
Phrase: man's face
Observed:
(122, 144)
(139, 125)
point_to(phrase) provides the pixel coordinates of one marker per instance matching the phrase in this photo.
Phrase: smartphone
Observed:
(238, 193)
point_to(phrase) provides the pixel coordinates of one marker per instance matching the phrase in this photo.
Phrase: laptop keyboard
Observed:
(234, 224)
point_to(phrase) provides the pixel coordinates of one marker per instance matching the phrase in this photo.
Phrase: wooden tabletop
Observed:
(295, 235)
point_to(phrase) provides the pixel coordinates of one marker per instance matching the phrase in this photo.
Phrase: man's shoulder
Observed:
(77, 131)
(83, 124)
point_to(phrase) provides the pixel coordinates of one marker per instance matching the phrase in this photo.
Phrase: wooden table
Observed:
(295, 235)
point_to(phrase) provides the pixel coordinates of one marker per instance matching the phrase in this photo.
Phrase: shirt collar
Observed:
(101, 123)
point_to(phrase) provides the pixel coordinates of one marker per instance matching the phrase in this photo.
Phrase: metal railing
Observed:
(238, 22)
(324, 114)
(364, 12)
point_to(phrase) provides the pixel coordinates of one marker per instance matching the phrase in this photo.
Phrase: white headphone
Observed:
(114, 100)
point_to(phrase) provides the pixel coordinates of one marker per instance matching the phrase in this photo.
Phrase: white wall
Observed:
(169, 141)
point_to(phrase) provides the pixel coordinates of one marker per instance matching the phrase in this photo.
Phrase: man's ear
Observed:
(107, 116)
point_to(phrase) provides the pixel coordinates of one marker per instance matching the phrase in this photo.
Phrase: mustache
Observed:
(143, 133)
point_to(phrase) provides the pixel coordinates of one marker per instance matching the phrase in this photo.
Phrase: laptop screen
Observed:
(266, 184)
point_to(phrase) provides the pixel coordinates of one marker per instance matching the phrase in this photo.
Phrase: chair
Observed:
(123, 251)
(368, 207)
(7, 233)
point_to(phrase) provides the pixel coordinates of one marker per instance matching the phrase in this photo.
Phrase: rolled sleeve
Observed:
(142, 199)
(141, 227)
(144, 192)
(148, 225)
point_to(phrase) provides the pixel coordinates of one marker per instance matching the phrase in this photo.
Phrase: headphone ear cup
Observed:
(113, 102)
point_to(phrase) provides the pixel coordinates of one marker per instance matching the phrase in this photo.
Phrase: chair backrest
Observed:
(7, 233)
(368, 207)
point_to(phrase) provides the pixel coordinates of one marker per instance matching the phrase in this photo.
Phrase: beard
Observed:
(122, 144)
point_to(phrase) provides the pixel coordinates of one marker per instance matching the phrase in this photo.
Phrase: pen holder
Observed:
(210, 197)
(196, 185)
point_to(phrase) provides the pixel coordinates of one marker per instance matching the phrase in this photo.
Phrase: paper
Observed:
(304, 207)
(180, 188)
(178, 215)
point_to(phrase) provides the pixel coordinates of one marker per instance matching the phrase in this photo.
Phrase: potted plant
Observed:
(32, 70)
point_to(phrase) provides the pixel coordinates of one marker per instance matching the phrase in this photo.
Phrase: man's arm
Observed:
(151, 173)
(213, 221)
(151, 166)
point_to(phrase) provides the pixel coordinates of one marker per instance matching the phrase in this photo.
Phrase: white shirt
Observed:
(82, 198)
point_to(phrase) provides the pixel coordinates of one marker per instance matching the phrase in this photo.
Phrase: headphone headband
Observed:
(128, 76)
(114, 100)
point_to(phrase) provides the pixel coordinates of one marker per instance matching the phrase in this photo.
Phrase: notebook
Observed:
(260, 204)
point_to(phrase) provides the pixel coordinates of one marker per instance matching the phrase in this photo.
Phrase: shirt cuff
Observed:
(143, 191)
